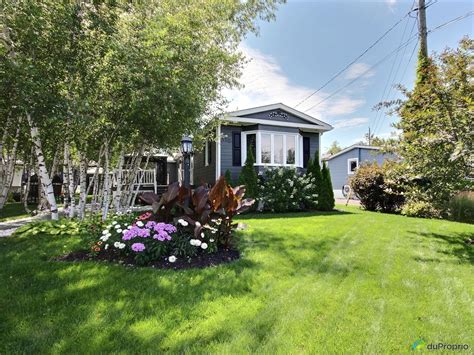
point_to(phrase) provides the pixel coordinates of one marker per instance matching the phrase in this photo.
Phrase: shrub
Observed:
(420, 209)
(378, 187)
(228, 178)
(283, 189)
(461, 207)
(326, 196)
(314, 170)
(248, 176)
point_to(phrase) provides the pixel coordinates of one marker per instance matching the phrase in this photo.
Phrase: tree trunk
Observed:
(134, 194)
(28, 181)
(70, 180)
(10, 170)
(118, 191)
(83, 184)
(45, 180)
(106, 202)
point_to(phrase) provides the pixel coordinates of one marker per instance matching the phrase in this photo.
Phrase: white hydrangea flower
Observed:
(204, 245)
(172, 259)
(140, 223)
(183, 222)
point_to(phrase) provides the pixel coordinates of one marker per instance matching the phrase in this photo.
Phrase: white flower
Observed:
(198, 224)
(211, 240)
(129, 227)
(197, 242)
(121, 245)
(106, 246)
(119, 230)
(204, 245)
(105, 231)
(140, 223)
(109, 226)
(202, 235)
(183, 222)
(192, 241)
(114, 222)
(172, 259)
(117, 226)
(117, 244)
(104, 238)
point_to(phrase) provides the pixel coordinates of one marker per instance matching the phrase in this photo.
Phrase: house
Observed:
(343, 165)
(277, 135)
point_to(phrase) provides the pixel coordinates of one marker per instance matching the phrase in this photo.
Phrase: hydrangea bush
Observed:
(283, 189)
(146, 240)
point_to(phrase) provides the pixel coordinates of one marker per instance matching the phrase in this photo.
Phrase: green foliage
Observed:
(248, 176)
(313, 171)
(437, 124)
(334, 148)
(461, 207)
(228, 178)
(378, 187)
(420, 209)
(284, 189)
(326, 200)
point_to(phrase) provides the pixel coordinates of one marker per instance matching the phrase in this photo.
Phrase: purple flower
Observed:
(136, 231)
(138, 247)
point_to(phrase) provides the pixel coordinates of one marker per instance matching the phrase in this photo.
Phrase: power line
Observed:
(356, 59)
(379, 114)
(386, 57)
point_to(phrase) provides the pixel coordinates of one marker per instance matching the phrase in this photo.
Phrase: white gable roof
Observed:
(351, 147)
(234, 116)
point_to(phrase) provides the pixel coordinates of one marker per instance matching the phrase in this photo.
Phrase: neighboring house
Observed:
(343, 165)
(278, 135)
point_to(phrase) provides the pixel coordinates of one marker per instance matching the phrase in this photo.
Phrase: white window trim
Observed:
(258, 159)
(349, 161)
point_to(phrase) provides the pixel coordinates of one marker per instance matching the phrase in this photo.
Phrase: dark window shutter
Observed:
(236, 149)
(306, 151)
(210, 152)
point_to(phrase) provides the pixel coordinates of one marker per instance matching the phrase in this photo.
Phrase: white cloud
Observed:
(265, 83)
(351, 122)
(391, 2)
(359, 69)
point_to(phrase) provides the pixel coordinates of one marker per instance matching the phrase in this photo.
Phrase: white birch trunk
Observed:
(70, 173)
(131, 202)
(136, 166)
(118, 191)
(45, 180)
(95, 183)
(9, 171)
(83, 185)
(67, 196)
(106, 202)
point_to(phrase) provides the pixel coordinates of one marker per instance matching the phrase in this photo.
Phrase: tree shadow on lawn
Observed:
(456, 243)
(276, 215)
(98, 304)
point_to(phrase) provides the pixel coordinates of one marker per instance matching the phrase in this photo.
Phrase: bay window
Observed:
(273, 148)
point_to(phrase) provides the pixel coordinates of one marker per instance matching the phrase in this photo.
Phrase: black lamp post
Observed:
(187, 151)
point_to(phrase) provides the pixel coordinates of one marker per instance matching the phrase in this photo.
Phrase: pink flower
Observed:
(138, 247)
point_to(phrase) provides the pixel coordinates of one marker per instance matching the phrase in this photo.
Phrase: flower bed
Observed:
(186, 229)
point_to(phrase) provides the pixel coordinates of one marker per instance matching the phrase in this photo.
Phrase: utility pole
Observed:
(422, 28)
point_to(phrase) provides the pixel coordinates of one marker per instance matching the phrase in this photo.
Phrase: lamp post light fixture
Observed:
(187, 151)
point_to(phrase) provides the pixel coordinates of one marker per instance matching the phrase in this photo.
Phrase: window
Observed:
(266, 149)
(291, 150)
(273, 148)
(352, 165)
(278, 149)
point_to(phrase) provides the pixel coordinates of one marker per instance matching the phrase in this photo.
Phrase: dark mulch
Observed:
(222, 256)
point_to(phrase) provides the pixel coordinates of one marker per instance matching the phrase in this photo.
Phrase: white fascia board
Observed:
(234, 119)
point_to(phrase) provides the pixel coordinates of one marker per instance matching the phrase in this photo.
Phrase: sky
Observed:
(311, 41)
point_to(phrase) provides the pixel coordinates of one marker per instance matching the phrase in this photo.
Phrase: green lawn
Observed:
(14, 210)
(349, 282)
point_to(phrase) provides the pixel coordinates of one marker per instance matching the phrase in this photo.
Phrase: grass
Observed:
(348, 282)
(14, 210)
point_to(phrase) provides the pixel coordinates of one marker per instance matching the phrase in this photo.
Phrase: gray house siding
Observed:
(313, 143)
(338, 165)
(276, 115)
(204, 174)
(226, 151)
